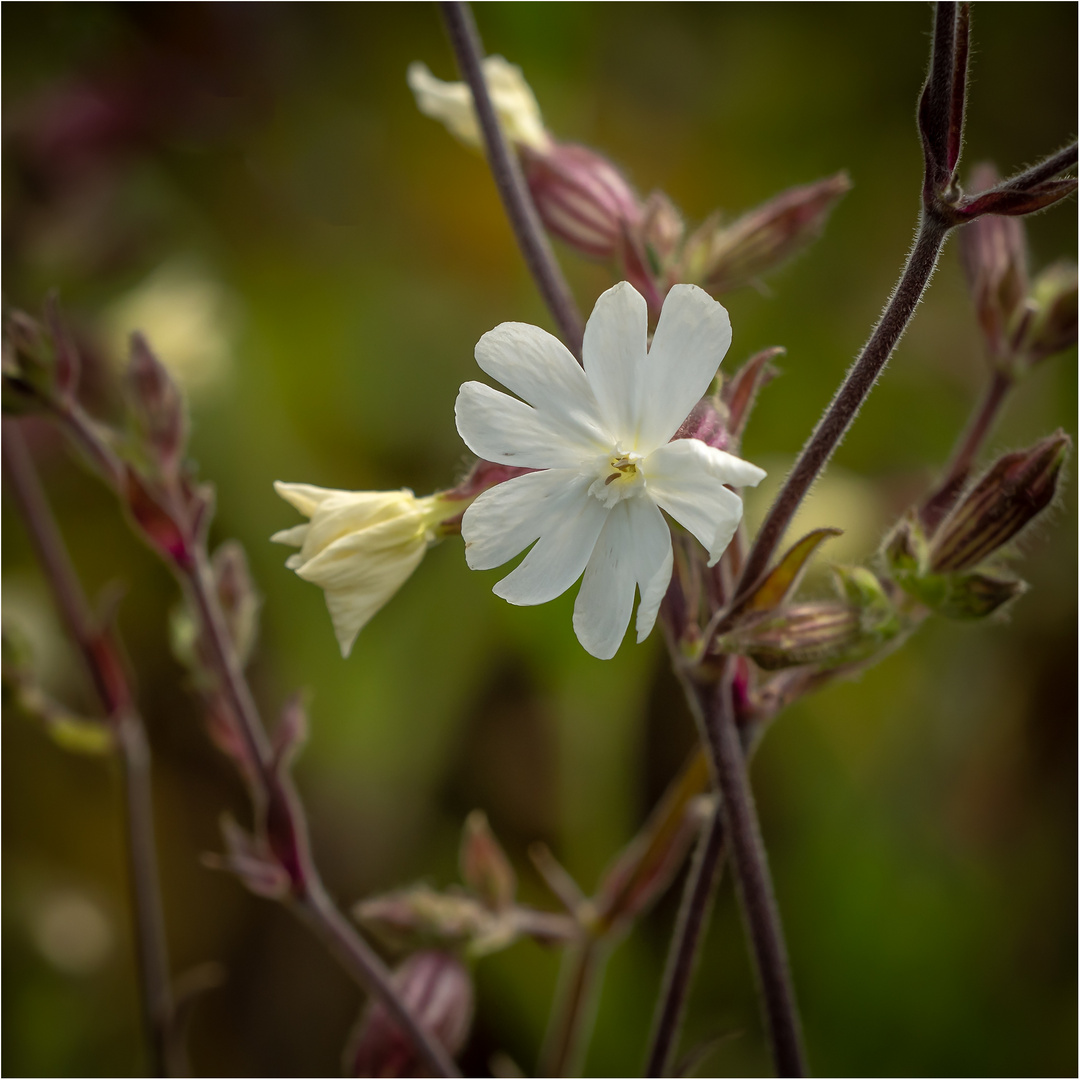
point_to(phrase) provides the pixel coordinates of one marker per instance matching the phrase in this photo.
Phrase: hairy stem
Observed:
(857, 384)
(967, 449)
(694, 911)
(506, 171)
(102, 657)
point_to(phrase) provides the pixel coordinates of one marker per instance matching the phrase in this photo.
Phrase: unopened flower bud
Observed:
(662, 229)
(581, 198)
(1048, 325)
(1013, 491)
(240, 600)
(420, 914)
(707, 423)
(993, 251)
(727, 257)
(484, 865)
(451, 103)
(157, 407)
(39, 364)
(436, 988)
(810, 633)
(360, 546)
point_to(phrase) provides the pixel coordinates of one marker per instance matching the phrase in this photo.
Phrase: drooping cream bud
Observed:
(451, 103)
(360, 546)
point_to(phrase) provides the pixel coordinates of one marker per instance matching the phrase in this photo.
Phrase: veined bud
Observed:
(1014, 490)
(436, 988)
(157, 407)
(811, 633)
(361, 546)
(725, 257)
(662, 229)
(581, 198)
(156, 521)
(451, 103)
(707, 423)
(1048, 324)
(484, 865)
(993, 250)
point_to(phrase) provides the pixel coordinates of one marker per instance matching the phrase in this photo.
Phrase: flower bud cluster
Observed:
(1022, 322)
(947, 571)
(585, 201)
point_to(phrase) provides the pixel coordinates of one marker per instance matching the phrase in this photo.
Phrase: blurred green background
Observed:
(253, 186)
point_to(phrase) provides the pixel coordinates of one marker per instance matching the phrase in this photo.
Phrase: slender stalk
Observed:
(313, 903)
(506, 171)
(102, 657)
(310, 900)
(694, 911)
(857, 384)
(573, 1011)
(967, 449)
(752, 877)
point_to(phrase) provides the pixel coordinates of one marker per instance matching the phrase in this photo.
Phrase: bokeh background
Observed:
(252, 185)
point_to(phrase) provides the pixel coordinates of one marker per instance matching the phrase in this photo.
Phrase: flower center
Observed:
(618, 477)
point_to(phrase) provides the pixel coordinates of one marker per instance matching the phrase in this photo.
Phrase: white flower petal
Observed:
(506, 519)
(538, 368)
(361, 592)
(680, 480)
(294, 536)
(558, 558)
(692, 337)
(652, 561)
(502, 429)
(305, 497)
(606, 597)
(614, 351)
(729, 469)
(634, 549)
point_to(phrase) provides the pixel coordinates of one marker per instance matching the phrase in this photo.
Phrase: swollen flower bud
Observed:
(993, 251)
(725, 257)
(437, 989)
(451, 103)
(360, 546)
(581, 198)
(1013, 491)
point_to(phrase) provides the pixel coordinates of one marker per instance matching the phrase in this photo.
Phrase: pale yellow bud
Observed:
(451, 103)
(360, 546)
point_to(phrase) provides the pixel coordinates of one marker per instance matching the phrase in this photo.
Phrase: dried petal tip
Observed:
(581, 198)
(436, 988)
(451, 103)
(1009, 496)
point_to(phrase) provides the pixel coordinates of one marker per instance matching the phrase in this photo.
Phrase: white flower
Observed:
(452, 104)
(360, 546)
(600, 438)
